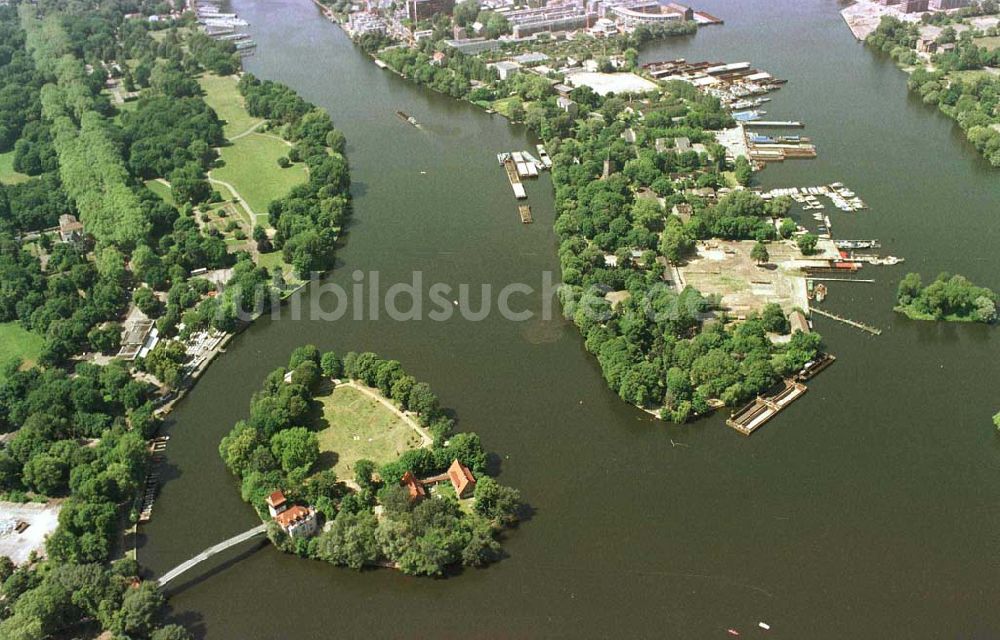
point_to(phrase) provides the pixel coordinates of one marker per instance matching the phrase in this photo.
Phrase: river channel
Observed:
(870, 508)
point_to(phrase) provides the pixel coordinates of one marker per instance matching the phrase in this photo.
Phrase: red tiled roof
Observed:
(414, 486)
(292, 515)
(276, 499)
(460, 476)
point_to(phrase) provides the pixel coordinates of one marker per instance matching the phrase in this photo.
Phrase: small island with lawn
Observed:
(952, 298)
(353, 461)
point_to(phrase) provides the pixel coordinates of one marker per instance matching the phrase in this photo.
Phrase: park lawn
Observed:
(356, 426)
(251, 166)
(7, 173)
(161, 190)
(16, 341)
(222, 94)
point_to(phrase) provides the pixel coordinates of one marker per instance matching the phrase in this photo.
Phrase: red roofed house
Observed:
(414, 487)
(461, 479)
(276, 503)
(297, 521)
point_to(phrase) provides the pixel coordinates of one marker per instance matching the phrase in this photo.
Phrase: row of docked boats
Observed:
(841, 197)
(528, 166)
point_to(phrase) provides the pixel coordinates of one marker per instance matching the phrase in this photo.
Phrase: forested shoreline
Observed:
(95, 106)
(947, 77)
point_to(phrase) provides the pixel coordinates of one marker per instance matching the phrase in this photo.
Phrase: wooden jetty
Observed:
(763, 408)
(525, 213)
(875, 331)
(515, 180)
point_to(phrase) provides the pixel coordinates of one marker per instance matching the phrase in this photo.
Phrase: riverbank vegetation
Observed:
(370, 518)
(949, 297)
(952, 72)
(95, 106)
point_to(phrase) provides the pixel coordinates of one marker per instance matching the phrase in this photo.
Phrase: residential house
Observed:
(462, 479)
(298, 521)
(682, 144)
(70, 229)
(683, 211)
(567, 105)
(276, 503)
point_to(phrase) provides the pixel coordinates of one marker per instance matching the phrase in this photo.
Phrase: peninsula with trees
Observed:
(352, 461)
(648, 203)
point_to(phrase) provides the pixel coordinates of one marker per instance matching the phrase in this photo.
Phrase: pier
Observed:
(752, 416)
(795, 124)
(875, 331)
(525, 212)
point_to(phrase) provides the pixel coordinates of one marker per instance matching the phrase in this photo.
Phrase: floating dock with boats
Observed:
(515, 180)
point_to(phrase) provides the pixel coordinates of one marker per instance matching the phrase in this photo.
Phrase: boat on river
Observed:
(402, 115)
(544, 156)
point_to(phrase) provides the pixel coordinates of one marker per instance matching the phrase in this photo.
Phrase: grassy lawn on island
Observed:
(355, 426)
(7, 173)
(251, 166)
(16, 341)
(222, 94)
(161, 190)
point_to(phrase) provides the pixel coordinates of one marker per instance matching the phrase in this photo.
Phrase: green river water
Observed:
(869, 509)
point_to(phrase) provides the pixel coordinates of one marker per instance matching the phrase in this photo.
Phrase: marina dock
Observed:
(525, 212)
(752, 416)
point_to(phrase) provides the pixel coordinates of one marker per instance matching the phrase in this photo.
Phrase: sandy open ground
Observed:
(605, 83)
(725, 268)
(42, 520)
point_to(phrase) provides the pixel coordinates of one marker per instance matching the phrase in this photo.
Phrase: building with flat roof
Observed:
(424, 9)
(505, 68)
(473, 46)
